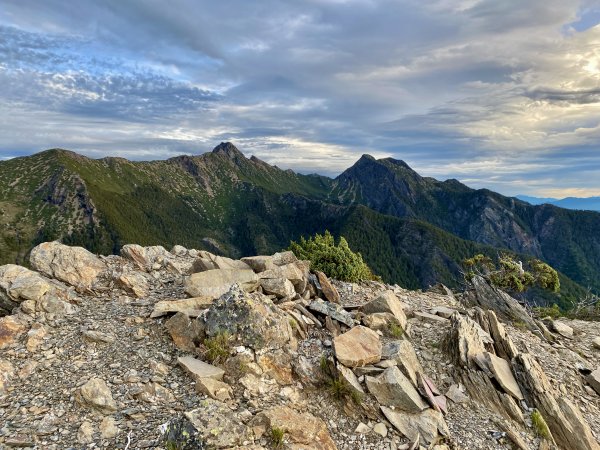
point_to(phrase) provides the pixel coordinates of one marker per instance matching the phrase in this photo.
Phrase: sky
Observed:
(498, 94)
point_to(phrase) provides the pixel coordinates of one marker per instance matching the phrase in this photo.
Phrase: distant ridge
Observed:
(578, 203)
(411, 230)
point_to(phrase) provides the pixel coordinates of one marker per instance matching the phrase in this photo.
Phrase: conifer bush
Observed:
(336, 261)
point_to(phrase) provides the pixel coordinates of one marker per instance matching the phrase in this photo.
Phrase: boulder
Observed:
(328, 289)
(427, 426)
(349, 378)
(179, 250)
(218, 426)
(387, 302)
(96, 394)
(392, 388)
(252, 318)
(186, 333)
(146, 258)
(403, 354)
(358, 347)
(191, 307)
(301, 430)
(280, 287)
(594, 380)
(216, 282)
(199, 369)
(561, 328)
(283, 258)
(135, 283)
(259, 263)
(73, 265)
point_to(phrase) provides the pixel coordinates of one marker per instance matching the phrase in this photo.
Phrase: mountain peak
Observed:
(228, 149)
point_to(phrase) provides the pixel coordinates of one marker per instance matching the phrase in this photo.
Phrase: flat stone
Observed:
(428, 425)
(502, 372)
(189, 306)
(135, 283)
(596, 343)
(430, 317)
(98, 336)
(329, 290)
(393, 388)
(443, 311)
(332, 310)
(358, 347)
(362, 428)
(387, 302)
(380, 429)
(216, 282)
(350, 378)
(199, 369)
(561, 328)
(214, 388)
(456, 394)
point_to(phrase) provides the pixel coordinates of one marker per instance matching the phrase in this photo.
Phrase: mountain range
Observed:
(579, 203)
(411, 230)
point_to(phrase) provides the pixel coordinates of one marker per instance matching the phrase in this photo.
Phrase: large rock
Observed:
(216, 282)
(280, 287)
(486, 296)
(186, 333)
(146, 257)
(301, 430)
(191, 307)
(259, 263)
(218, 426)
(387, 302)
(427, 426)
(252, 318)
(358, 347)
(199, 369)
(502, 372)
(135, 282)
(221, 262)
(392, 388)
(403, 354)
(594, 380)
(465, 340)
(332, 310)
(73, 265)
(96, 394)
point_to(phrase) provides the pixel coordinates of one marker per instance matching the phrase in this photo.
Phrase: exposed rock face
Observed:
(502, 373)
(73, 265)
(358, 347)
(488, 297)
(467, 340)
(567, 426)
(253, 319)
(216, 282)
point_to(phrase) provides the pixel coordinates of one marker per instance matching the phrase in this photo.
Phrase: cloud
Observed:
(503, 95)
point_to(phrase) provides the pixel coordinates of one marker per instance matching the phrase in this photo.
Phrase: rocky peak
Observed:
(229, 150)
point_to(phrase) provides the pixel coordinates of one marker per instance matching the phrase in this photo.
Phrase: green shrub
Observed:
(217, 348)
(553, 311)
(540, 426)
(277, 435)
(336, 261)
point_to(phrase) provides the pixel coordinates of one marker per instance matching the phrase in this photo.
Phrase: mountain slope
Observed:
(412, 230)
(568, 240)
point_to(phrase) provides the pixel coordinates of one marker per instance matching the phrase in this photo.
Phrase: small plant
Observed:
(336, 261)
(217, 347)
(277, 435)
(540, 426)
(395, 329)
(337, 388)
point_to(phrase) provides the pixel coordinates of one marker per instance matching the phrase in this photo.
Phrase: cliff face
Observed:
(186, 349)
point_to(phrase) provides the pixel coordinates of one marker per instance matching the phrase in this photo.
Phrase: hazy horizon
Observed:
(499, 95)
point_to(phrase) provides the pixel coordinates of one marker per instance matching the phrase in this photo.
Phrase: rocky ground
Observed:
(157, 348)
